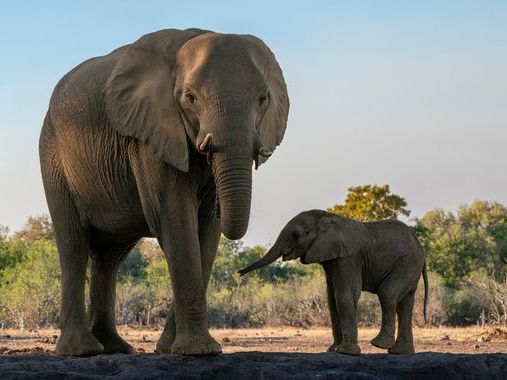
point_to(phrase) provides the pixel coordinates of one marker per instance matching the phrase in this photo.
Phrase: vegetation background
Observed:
(466, 253)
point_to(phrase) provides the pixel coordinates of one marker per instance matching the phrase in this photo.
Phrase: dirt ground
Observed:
(471, 340)
(278, 353)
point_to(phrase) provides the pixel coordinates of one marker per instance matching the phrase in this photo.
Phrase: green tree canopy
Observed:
(133, 265)
(232, 256)
(11, 249)
(369, 203)
(474, 239)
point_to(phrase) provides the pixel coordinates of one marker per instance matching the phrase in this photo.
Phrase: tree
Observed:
(485, 226)
(133, 266)
(36, 228)
(458, 245)
(150, 249)
(232, 256)
(159, 289)
(224, 268)
(369, 203)
(11, 250)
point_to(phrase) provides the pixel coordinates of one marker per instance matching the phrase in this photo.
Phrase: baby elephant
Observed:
(380, 257)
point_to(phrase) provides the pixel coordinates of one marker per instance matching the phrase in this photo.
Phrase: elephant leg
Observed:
(192, 335)
(335, 318)
(346, 303)
(209, 236)
(166, 340)
(72, 240)
(385, 338)
(76, 338)
(180, 243)
(405, 340)
(104, 267)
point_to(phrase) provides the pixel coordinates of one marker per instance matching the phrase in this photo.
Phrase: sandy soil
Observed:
(471, 340)
(264, 354)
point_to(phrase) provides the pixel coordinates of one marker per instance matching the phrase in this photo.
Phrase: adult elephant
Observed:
(156, 139)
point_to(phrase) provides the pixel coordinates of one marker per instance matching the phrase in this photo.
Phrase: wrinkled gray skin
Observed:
(156, 139)
(380, 257)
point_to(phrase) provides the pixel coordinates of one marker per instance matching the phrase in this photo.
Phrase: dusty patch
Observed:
(472, 340)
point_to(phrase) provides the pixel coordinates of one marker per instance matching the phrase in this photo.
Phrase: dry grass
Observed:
(449, 340)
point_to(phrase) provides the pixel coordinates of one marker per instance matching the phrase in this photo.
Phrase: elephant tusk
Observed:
(204, 146)
(265, 152)
(256, 164)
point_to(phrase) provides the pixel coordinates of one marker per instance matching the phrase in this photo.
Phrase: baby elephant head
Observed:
(315, 236)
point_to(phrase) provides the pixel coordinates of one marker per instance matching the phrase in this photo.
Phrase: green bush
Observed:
(30, 289)
(299, 301)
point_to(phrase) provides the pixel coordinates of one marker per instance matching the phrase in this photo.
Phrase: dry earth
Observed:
(265, 353)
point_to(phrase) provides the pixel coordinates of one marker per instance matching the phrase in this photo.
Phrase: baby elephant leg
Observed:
(346, 304)
(335, 318)
(405, 340)
(385, 338)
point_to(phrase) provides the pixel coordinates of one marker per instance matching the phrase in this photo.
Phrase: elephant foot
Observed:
(196, 346)
(113, 343)
(348, 349)
(165, 343)
(332, 348)
(78, 342)
(383, 340)
(404, 348)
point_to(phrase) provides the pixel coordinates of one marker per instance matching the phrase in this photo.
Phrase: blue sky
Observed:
(405, 93)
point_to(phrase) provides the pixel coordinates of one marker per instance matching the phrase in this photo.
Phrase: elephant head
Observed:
(315, 236)
(221, 95)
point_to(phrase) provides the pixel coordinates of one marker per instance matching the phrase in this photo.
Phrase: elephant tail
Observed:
(424, 274)
(426, 290)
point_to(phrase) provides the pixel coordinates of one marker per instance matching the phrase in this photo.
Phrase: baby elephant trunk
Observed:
(268, 258)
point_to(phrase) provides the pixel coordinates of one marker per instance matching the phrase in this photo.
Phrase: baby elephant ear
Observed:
(139, 95)
(340, 239)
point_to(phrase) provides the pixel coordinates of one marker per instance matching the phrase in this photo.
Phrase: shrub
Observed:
(30, 289)
(480, 300)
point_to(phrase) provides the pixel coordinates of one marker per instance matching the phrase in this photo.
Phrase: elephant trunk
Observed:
(271, 256)
(233, 179)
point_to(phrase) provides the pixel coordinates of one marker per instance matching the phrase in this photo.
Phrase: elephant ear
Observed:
(272, 126)
(338, 239)
(139, 97)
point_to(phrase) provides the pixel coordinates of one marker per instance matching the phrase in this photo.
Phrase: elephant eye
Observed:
(191, 98)
(263, 100)
(295, 235)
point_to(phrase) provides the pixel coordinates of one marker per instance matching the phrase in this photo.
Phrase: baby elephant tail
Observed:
(425, 276)
(426, 289)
